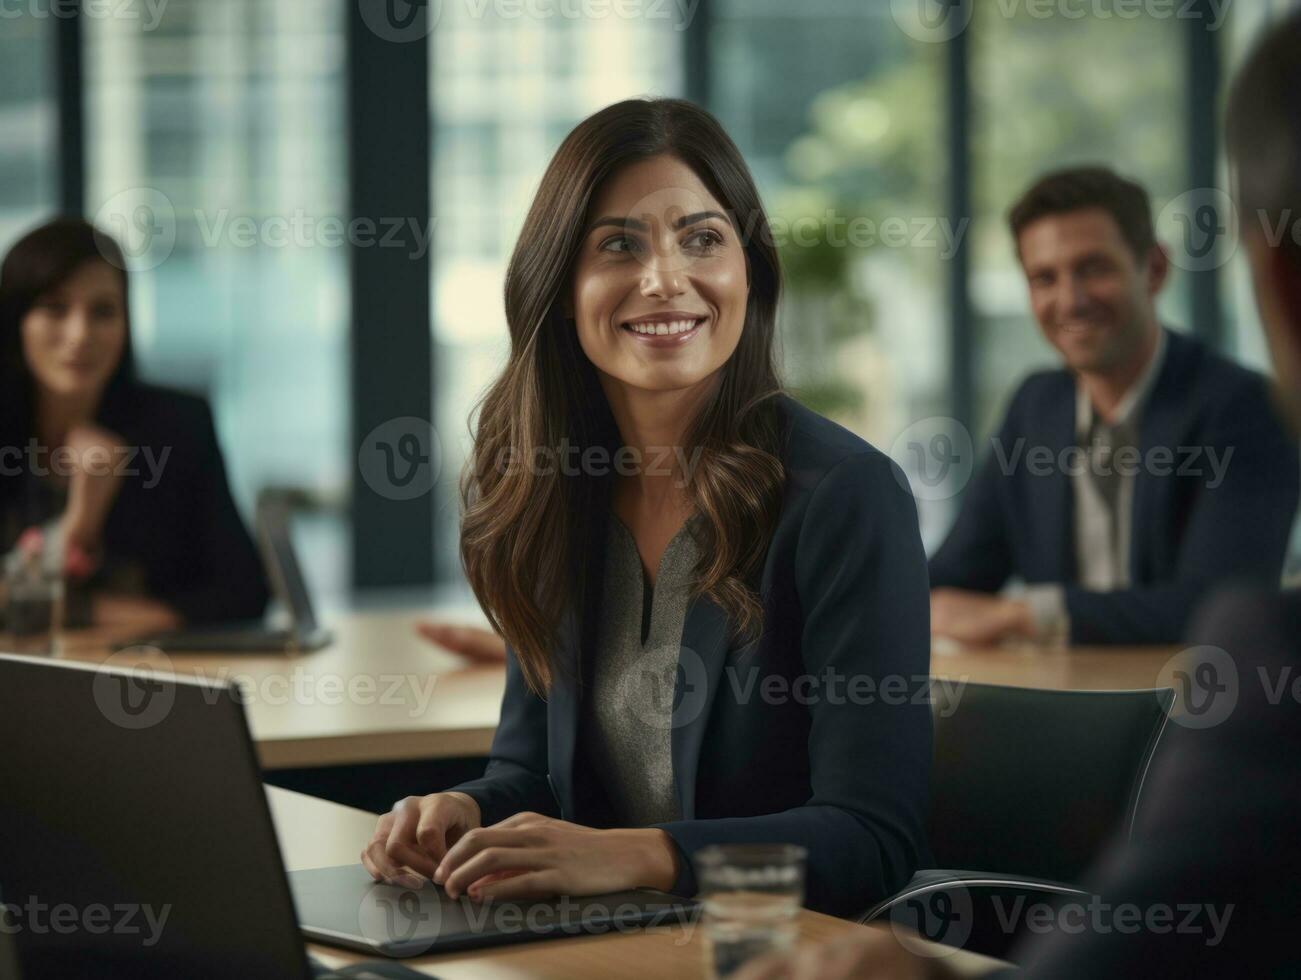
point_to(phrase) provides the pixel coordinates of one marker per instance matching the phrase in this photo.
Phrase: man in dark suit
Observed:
(1208, 881)
(1123, 486)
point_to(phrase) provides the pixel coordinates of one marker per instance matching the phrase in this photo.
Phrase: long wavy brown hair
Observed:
(526, 534)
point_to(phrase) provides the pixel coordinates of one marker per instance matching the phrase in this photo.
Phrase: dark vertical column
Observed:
(695, 53)
(961, 321)
(1203, 92)
(68, 92)
(391, 347)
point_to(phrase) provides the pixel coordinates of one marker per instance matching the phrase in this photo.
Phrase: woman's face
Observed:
(74, 335)
(660, 284)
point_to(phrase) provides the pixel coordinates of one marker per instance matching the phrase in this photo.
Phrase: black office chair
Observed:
(1027, 786)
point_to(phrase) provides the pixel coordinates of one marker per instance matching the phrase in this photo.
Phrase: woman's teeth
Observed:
(677, 326)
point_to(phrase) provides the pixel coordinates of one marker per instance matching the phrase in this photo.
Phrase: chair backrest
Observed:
(1033, 782)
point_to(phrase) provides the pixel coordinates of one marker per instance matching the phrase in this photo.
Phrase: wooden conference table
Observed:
(316, 834)
(380, 693)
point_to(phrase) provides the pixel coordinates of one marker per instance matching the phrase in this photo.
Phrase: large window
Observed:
(1051, 91)
(839, 113)
(215, 149)
(27, 121)
(504, 91)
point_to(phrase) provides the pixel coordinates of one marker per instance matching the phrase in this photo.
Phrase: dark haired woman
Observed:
(125, 478)
(715, 601)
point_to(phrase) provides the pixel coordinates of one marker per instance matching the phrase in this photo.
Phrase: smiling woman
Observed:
(654, 614)
(124, 479)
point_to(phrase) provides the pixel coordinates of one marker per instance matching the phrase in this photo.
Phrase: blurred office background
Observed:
(230, 141)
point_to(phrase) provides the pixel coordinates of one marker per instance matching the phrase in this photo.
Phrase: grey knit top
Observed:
(635, 672)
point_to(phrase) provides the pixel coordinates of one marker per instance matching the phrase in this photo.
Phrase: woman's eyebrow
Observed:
(636, 225)
(691, 219)
(632, 223)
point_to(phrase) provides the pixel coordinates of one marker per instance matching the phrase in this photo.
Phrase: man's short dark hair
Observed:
(1264, 131)
(1078, 188)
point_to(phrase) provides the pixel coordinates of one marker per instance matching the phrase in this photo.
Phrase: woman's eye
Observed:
(104, 312)
(609, 244)
(704, 240)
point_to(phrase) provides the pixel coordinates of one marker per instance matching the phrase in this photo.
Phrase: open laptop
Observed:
(131, 802)
(288, 585)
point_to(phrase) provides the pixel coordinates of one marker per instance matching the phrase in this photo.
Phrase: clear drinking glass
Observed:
(752, 894)
(33, 615)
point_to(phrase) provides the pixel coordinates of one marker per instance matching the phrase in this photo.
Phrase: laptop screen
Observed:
(135, 837)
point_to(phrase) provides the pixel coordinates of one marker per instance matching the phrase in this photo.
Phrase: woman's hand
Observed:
(532, 856)
(472, 642)
(412, 838)
(92, 485)
(133, 614)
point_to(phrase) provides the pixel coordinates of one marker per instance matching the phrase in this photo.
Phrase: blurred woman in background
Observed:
(124, 480)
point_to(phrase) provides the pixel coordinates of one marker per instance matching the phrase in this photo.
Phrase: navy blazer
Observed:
(817, 733)
(1189, 532)
(178, 526)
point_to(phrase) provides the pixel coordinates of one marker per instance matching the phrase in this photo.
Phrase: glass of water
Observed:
(752, 894)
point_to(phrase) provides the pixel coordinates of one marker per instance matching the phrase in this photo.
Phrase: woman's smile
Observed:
(671, 330)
